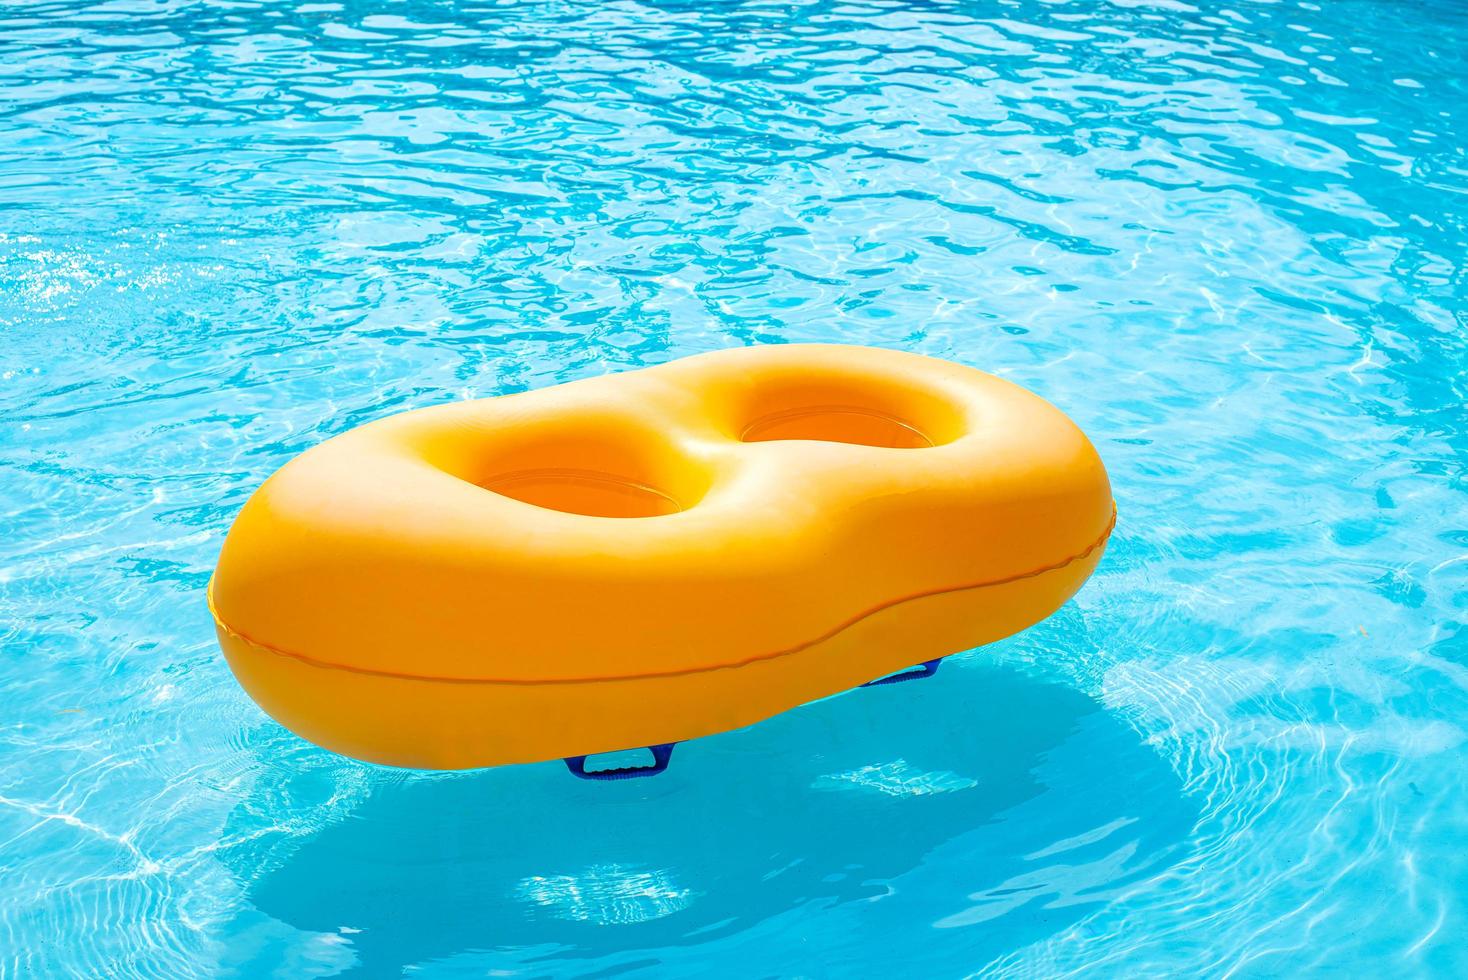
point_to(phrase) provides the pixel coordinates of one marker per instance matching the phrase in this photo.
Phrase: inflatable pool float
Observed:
(643, 558)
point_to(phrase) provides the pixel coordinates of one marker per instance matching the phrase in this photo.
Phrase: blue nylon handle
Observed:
(660, 756)
(925, 669)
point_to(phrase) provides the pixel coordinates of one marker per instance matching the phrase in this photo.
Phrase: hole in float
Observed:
(838, 423)
(583, 460)
(848, 404)
(587, 492)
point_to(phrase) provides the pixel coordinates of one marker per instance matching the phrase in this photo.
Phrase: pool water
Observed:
(1227, 238)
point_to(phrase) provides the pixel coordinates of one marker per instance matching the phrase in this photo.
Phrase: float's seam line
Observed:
(788, 651)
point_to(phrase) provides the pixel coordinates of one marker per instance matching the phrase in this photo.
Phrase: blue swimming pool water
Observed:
(1228, 238)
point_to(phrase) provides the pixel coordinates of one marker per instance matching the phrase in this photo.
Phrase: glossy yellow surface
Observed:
(651, 556)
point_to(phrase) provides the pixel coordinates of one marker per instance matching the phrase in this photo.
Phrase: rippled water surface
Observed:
(1228, 238)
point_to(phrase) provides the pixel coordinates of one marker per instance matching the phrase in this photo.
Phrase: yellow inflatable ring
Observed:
(648, 557)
